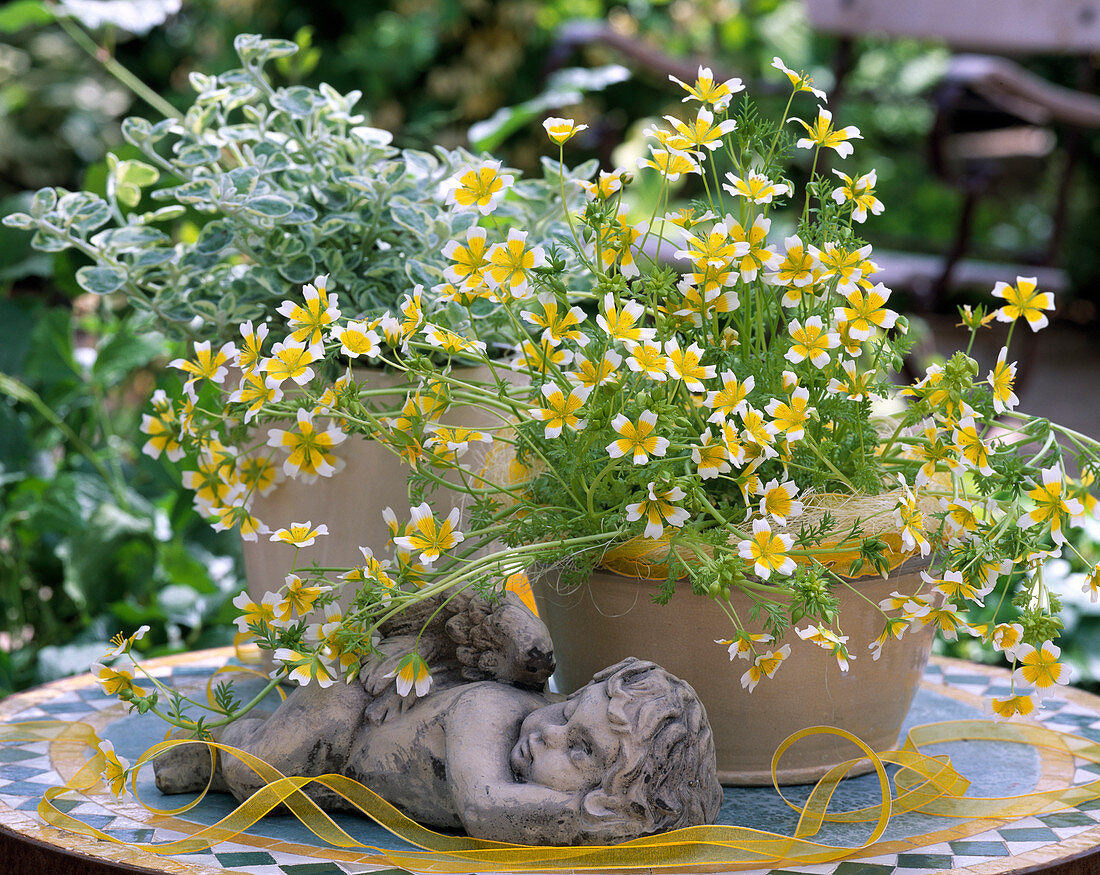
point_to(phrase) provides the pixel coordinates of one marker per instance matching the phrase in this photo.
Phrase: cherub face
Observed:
(567, 746)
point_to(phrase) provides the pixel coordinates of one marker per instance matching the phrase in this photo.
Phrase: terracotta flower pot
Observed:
(351, 502)
(612, 617)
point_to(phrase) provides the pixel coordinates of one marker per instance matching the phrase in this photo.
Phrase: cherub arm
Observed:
(481, 729)
(502, 641)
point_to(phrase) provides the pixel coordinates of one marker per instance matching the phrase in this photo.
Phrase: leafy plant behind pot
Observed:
(273, 186)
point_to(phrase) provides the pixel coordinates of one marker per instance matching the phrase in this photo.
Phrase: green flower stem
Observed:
(20, 391)
(813, 169)
(579, 249)
(779, 130)
(112, 66)
(480, 566)
(590, 488)
(662, 193)
(893, 437)
(717, 182)
(860, 593)
(812, 444)
(1008, 340)
(970, 343)
(228, 718)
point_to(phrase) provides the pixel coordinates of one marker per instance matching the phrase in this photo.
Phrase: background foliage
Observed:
(75, 378)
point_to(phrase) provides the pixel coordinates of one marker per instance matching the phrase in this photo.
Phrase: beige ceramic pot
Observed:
(351, 502)
(612, 617)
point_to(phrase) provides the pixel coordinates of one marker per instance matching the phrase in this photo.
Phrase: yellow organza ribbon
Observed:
(928, 784)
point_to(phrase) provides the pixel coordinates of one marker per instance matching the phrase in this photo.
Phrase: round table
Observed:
(1065, 842)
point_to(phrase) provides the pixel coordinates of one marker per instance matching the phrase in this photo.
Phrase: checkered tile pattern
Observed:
(26, 770)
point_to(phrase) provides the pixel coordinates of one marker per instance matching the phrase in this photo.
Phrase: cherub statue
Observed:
(487, 750)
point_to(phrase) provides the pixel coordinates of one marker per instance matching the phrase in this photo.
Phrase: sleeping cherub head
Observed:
(634, 744)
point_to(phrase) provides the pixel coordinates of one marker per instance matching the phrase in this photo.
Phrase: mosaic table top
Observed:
(279, 845)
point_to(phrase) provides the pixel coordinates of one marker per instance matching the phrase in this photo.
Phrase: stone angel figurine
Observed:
(487, 750)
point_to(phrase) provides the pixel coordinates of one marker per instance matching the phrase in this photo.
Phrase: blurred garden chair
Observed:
(994, 119)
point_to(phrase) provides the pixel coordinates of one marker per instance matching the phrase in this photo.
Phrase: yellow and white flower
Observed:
(811, 341)
(972, 449)
(250, 353)
(1004, 707)
(1091, 586)
(910, 521)
(699, 133)
(606, 185)
(646, 358)
(1040, 668)
(562, 130)
(1001, 379)
(744, 645)
(799, 81)
(706, 90)
(310, 322)
(659, 509)
(456, 439)
(412, 676)
(511, 262)
(115, 769)
(557, 327)
(452, 343)
(732, 399)
(622, 324)
(764, 666)
(638, 440)
(479, 188)
(309, 451)
(298, 598)
(468, 261)
(778, 500)
(163, 429)
(300, 534)
(426, 534)
(860, 192)
(687, 365)
(592, 374)
(867, 311)
(261, 613)
(789, 417)
(239, 516)
(755, 188)
(855, 385)
(255, 392)
(894, 628)
(759, 255)
(714, 248)
(560, 410)
(767, 550)
(1023, 300)
(306, 668)
(289, 360)
(755, 429)
(1052, 504)
(356, 338)
(822, 134)
(710, 458)
(794, 270)
(670, 163)
(117, 680)
(206, 365)
(1007, 638)
(828, 640)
